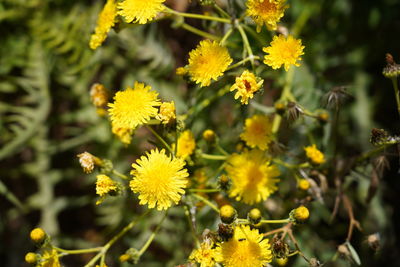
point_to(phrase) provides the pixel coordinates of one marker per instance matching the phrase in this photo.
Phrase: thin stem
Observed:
(220, 149)
(78, 251)
(206, 201)
(246, 43)
(107, 246)
(276, 221)
(192, 225)
(152, 236)
(120, 175)
(220, 10)
(196, 16)
(213, 157)
(396, 92)
(243, 61)
(286, 95)
(160, 139)
(226, 36)
(210, 190)
(200, 32)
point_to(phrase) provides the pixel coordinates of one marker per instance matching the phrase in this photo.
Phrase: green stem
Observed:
(107, 246)
(206, 201)
(211, 190)
(200, 32)
(120, 175)
(196, 16)
(286, 95)
(276, 221)
(246, 43)
(226, 36)
(78, 251)
(221, 11)
(396, 92)
(243, 61)
(213, 157)
(160, 139)
(371, 153)
(220, 149)
(153, 235)
(192, 225)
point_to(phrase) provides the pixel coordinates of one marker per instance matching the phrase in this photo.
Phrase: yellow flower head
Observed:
(104, 185)
(257, 132)
(159, 179)
(186, 144)
(133, 107)
(105, 22)
(253, 177)
(316, 156)
(50, 259)
(123, 134)
(267, 12)
(283, 51)
(246, 248)
(167, 112)
(205, 255)
(140, 11)
(207, 62)
(181, 71)
(246, 85)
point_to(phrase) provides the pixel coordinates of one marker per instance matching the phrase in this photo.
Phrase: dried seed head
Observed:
(392, 69)
(225, 231)
(374, 241)
(293, 111)
(279, 248)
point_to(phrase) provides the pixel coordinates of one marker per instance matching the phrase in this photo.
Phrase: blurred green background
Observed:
(46, 118)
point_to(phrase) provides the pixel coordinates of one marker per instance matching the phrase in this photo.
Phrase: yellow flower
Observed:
(123, 134)
(267, 12)
(204, 255)
(105, 22)
(283, 51)
(140, 11)
(207, 62)
(316, 156)
(186, 144)
(133, 107)
(257, 132)
(167, 112)
(303, 184)
(104, 185)
(246, 248)
(246, 85)
(181, 71)
(159, 179)
(253, 177)
(49, 259)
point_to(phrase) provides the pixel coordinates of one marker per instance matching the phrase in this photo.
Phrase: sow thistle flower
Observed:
(246, 248)
(283, 51)
(133, 107)
(104, 186)
(253, 177)
(316, 156)
(123, 134)
(205, 255)
(140, 11)
(207, 62)
(105, 22)
(159, 179)
(257, 132)
(267, 12)
(167, 112)
(186, 144)
(246, 85)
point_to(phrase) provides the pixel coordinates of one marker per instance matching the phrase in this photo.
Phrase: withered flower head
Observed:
(392, 69)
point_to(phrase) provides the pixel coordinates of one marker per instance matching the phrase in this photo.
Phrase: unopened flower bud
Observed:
(31, 258)
(323, 117)
(228, 214)
(299, 215)
(124, 258)
(303, 184)
(209, 135)
(280, 108)
(254, 216)
(38, 235)
(224, 182)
